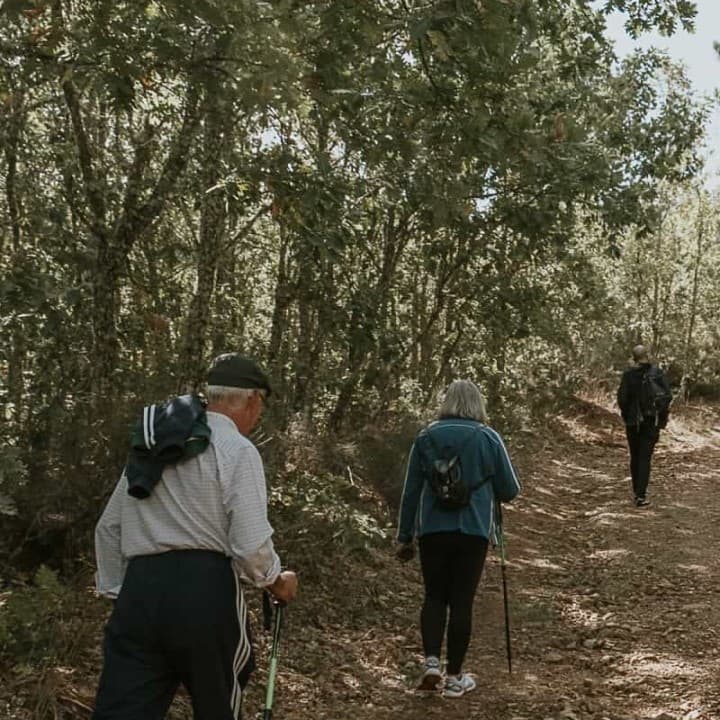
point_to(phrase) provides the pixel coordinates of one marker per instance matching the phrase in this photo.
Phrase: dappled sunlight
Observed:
(613, 554)
(575, 613)
(572, 490)
(610, 606)
(681, 440)
(703, 569)
(532, 551)
(632, 609)
(710, 475)
(613, 610)
(569, 470)
(682, 506)
(536, 531)
(597, 406)
(374, 200)
(653, 664)
(612, 518)
(690, 532)
(578, 429)
(542, 511)
(579, 469)
(543, 563)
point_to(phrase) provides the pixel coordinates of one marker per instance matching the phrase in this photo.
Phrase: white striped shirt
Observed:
(214, 501)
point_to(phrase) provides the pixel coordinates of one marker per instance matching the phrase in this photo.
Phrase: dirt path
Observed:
(614, 609)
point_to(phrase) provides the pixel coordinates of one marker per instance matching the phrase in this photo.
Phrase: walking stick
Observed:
(268, 605)
(501, 542)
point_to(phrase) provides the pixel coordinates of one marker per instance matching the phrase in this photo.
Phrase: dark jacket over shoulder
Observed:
(628, 396)
(165, 434)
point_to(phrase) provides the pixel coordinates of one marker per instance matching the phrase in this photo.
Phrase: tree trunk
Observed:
(283, 298)
(217, 141)
(105, 339)
(16, 356)
(693, 310)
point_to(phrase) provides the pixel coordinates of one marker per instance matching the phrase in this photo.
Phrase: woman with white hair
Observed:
(457, 470)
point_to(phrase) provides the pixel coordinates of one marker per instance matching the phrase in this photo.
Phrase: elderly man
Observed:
(644, 398)
(173, 559)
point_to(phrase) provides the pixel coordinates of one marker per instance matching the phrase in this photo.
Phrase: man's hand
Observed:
(405, 551)
(285, 586)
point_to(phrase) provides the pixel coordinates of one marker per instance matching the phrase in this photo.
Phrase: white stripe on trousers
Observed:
(146, 434)
(151, 425)
(244, 648)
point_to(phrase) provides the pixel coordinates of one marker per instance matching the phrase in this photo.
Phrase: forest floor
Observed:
(615, 610)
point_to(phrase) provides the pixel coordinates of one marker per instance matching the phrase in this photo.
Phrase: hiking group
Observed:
(186, 527)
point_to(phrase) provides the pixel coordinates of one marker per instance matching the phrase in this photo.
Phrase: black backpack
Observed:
(446, 482)
(654, 399)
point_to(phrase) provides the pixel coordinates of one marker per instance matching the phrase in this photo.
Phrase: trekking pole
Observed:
(272, 671)
(501, 543)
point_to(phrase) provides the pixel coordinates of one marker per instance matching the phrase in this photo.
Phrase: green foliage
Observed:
(326, 498)
(665, 286)
(39, 625)
(13, 475)
(644, 15)
(373, 198)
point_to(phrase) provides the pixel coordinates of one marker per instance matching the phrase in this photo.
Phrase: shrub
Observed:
(39, 622)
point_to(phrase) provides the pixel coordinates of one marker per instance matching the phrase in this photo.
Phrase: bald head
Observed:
(640, 354)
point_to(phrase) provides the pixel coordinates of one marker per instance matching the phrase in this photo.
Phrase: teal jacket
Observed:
(486, 467)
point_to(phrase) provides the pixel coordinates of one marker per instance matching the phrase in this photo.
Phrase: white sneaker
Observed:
(431, 678)
(457, 685)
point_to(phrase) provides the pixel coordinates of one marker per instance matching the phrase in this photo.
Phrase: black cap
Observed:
(236, 370)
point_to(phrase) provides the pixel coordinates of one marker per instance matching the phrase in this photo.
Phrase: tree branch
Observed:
(246, 227)
(136, 218)
(94, 197)
(137, 170)
(14, 127)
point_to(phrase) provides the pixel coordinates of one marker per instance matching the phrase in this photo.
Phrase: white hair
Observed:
(463, 399)
(232, 395)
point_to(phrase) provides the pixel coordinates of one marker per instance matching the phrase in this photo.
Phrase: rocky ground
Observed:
(614, 609)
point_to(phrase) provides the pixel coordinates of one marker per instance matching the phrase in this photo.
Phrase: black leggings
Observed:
(452, 563)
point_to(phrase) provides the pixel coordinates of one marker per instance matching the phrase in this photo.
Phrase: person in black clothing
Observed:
(644, 399)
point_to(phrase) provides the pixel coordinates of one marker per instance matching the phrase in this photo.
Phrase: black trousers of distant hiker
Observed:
(641, 440)
(451, 563)
(180, 619)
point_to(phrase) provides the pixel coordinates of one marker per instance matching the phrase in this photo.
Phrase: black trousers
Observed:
(641, 441)
(180, 618)
(451, 565)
